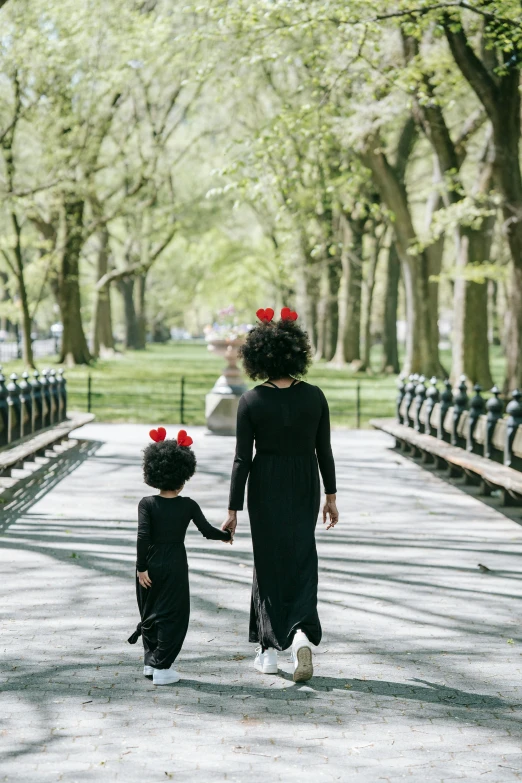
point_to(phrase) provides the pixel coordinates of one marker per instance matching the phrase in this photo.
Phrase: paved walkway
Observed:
(419, 675)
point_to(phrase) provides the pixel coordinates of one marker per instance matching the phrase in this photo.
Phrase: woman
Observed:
(288, 419)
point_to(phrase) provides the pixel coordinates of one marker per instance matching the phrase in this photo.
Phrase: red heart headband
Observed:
(161, 433)
(288, 315)
(267, 315)
(184, 439)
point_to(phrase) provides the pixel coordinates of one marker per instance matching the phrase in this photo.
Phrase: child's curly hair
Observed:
(275, 350)
(167, 466)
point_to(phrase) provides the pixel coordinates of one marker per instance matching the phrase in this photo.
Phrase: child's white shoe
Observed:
(302, 657)
(266, 662)
(165, 676)
(148, 671)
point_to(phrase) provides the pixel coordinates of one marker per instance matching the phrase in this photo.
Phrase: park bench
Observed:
(38, 445)
(34, 422)
(465, 437)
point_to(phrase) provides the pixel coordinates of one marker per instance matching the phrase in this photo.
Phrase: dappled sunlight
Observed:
(412, 629)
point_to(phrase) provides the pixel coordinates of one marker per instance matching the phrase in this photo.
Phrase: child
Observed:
(162, 585)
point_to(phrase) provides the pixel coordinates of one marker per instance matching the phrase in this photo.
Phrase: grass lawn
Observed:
(144, 386)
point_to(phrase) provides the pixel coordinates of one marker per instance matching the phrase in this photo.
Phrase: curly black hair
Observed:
(276, 350)
(168, 466)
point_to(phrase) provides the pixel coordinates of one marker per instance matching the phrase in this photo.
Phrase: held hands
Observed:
(330, 510)
(144, 579)
(230, 523)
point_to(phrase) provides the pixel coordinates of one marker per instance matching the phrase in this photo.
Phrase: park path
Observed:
(418, 676)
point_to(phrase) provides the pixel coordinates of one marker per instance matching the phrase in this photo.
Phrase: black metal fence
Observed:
(31, 403)
(181, 399)
(11, 350)
(475, 424)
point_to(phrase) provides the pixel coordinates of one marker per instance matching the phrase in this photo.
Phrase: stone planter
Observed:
(221, 403)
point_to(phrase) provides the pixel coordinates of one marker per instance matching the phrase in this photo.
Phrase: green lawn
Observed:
(144, 386)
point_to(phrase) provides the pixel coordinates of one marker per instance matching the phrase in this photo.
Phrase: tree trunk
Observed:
(349, 291)
(304, 299)
(369, 286)
(74, 344)
(352, 336)
(434, 254)
(332, 327)
(141, 316)
(422, 351)
(513, 379)
(322, 308)
(500, 95)
(390, 361)
(470, 346)
(126, 289)
(339, 358)
(102, 336)
(27, 345)
(493, 314)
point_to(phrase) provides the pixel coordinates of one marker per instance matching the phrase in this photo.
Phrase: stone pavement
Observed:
(418, 676)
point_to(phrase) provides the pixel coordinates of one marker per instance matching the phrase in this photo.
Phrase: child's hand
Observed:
(144, 579)
(231, 539)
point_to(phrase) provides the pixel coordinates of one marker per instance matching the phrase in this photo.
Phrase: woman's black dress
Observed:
(165, 606)
(291, 430)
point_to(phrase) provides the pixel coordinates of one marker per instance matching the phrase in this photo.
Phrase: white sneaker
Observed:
(165, 676)
(266, 662)
(302, 657)
(148, 671)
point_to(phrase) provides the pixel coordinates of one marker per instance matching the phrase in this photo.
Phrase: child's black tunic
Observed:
(165, 606)
(291, 430)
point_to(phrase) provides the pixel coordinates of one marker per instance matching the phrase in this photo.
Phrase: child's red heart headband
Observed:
(161, 433)
(267, 315)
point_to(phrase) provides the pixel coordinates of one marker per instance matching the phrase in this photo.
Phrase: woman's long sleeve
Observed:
(143, 536)
(323, 448)
(205, 528)
(243, 457)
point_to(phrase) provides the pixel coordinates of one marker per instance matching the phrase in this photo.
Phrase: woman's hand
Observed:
(330, 510)
(230, 523)
(144, 579)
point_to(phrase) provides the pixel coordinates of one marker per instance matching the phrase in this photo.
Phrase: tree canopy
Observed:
(360, 161)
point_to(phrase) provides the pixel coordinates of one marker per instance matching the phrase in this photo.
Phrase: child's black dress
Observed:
(165, 606)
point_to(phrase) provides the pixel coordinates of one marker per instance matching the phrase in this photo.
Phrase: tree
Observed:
(498, 89)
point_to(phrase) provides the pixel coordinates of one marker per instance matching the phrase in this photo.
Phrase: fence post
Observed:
(358, 405)
(514, 412)
(401, 386)
(38, 402)
(182, 401)
(477, 408)
(432, 398)
(13, 402)
(460, 404)
(420, 396)
(89, 393)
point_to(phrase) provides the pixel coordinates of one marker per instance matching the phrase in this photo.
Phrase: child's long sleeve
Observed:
(205, 528)
(143, 536)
